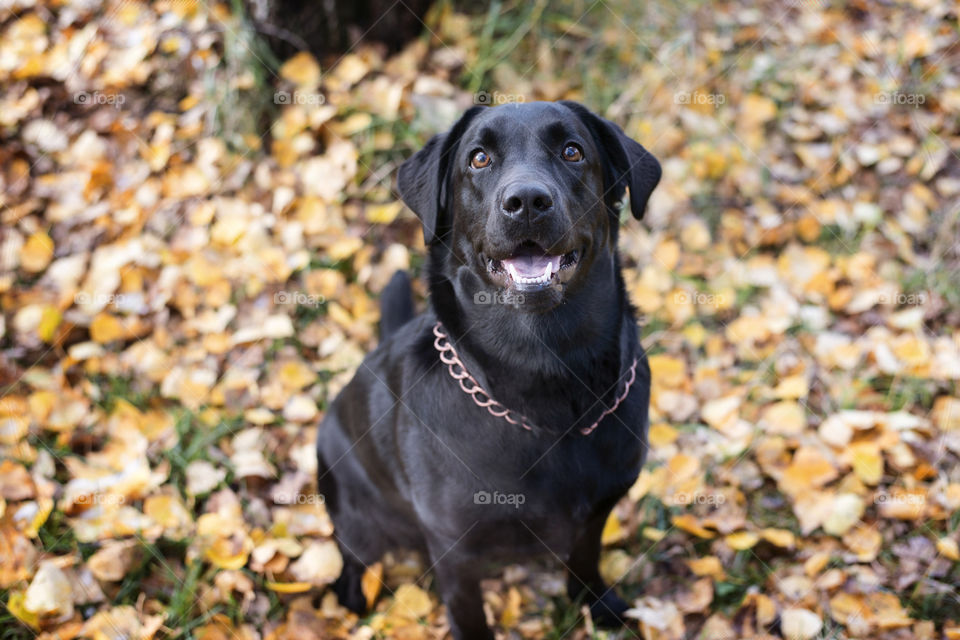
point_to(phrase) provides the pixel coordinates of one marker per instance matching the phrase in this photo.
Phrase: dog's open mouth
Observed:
(530, 267)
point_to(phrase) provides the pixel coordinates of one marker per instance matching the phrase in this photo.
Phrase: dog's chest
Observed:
(562, 475)
(540, 494)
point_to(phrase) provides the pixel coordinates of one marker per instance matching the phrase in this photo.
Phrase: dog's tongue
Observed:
(532, 265)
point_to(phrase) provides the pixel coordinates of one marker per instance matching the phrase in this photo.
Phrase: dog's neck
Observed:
(578, 350)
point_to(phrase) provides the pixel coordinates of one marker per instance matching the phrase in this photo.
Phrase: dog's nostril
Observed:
(542, 203)
(512, 204)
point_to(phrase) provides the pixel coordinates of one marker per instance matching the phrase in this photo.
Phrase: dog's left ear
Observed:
(422, 180)
(626, 162)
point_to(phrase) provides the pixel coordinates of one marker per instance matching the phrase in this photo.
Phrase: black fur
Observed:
(396, 304)
(405, 455)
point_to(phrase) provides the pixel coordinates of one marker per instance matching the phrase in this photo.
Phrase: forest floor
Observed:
(194, 236)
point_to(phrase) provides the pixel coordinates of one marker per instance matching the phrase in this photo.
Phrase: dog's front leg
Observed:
(584, 580)
(459, 586)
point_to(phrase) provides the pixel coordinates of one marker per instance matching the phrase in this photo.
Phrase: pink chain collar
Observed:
(449, 357)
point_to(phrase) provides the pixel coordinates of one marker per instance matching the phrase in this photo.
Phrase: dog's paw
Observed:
(607, 612)
(348, 589)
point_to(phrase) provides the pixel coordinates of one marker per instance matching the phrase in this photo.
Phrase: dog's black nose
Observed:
(530, 200)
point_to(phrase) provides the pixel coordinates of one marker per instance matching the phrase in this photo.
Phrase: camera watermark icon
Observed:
(903, 299)
(498, 297)
(299, 498)
(899, 98)
(298, 298)
(698, 298)
(685, 498)
(496, 498)
(699, 98)
(99, 98)
(492, 99)
(100, 499)
(299, 97)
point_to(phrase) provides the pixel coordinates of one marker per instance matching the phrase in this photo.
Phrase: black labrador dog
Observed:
(508, 419)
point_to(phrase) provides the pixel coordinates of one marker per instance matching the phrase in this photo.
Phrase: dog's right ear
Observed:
(423, 179)
(627, 163)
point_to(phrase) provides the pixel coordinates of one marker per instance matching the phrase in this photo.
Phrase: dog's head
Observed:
(526, 195)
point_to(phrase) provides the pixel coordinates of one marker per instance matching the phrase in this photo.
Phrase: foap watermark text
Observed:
(496, 498)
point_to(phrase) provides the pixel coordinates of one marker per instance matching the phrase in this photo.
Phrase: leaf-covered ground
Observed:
(194, 236)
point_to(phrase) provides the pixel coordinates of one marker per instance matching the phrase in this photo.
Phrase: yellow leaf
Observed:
(720, 413)
(845, 606)
(800, 624)
(295, 375)
(612, 531)
(113, 560)
(411, 602)
(681, 466)
(708, 566)
(302, 70)
(105, 328)
(779, 537)
(864, 541)
(808, 469)
(645, 298)
(229, 553)
(742, 540)
(383, 213)
(652, 533)
(755, 110)
(948, 548)
(289, 587)
(946, 413)
(792, 387)
(36, 253)
(43, 508)
(170, 513)
(816, 563)
(667, 254)
(13, 428)
(511, 609)
(15, 605)
(661, 435)
(343, 248)
(371, 583)
(867, 461)
(695, 236)
(352, 125)
(690, 524)
(319, 564)
(668, 371)
(49, 321)
(50, 592)
(786, 418)
(886, 611)
(845, 511)
(917, 42)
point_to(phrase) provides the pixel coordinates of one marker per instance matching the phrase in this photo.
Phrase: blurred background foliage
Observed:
(198, 215)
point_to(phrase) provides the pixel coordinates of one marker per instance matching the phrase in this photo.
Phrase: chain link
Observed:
(458, 371)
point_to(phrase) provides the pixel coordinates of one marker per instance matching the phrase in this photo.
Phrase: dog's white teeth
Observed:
(519, 279)
(538, 280)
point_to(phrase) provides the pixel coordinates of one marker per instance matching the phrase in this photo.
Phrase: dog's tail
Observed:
(396, 304)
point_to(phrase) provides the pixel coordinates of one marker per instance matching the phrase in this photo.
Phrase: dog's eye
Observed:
(480, 159)
(572, 153)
